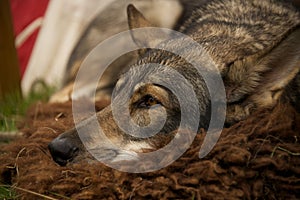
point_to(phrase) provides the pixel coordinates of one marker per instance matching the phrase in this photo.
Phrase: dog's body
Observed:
(254, 44)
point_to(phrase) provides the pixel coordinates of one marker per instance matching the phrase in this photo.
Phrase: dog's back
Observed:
(234, 29)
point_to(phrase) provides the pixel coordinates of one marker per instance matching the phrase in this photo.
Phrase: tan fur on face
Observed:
(155, 91)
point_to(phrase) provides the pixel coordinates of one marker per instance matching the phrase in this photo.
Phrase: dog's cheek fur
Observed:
(169, 118)
(140, 117)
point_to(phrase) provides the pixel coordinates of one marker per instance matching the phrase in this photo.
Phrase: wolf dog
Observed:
(255, 45)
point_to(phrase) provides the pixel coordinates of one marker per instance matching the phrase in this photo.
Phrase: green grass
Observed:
(13, 107)
(6, 193)
(12, 110)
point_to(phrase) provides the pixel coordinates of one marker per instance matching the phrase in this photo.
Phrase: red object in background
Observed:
(25, 12)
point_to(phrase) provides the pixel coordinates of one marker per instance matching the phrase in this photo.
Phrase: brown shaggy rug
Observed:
(258, 158)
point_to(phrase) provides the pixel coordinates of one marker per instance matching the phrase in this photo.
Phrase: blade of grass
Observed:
(13, 107)
(7, 193)
(34, 193)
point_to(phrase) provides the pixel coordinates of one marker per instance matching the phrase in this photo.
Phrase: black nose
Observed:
(62, 150)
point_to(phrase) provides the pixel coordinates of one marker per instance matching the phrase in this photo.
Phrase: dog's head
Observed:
(145, 108)
(142, 117)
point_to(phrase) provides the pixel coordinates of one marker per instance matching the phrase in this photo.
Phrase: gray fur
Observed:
(244, 38)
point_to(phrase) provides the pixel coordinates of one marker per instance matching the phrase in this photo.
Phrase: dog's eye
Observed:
(148, 101)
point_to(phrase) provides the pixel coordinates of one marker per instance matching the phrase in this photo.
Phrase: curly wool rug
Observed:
(258, 158)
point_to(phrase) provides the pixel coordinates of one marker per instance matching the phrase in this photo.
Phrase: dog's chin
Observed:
(83, 159)
(76, 159)
(100, 155)
(112, 155)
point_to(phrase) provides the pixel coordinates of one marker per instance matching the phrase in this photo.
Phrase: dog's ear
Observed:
(284, 64)
(143, 38)
(136, 19)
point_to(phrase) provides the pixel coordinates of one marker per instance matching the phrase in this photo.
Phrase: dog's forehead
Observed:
(138, 86)
(132, 79)
(128, 84)
(140, 75)
(141, 87)
(121, 81)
